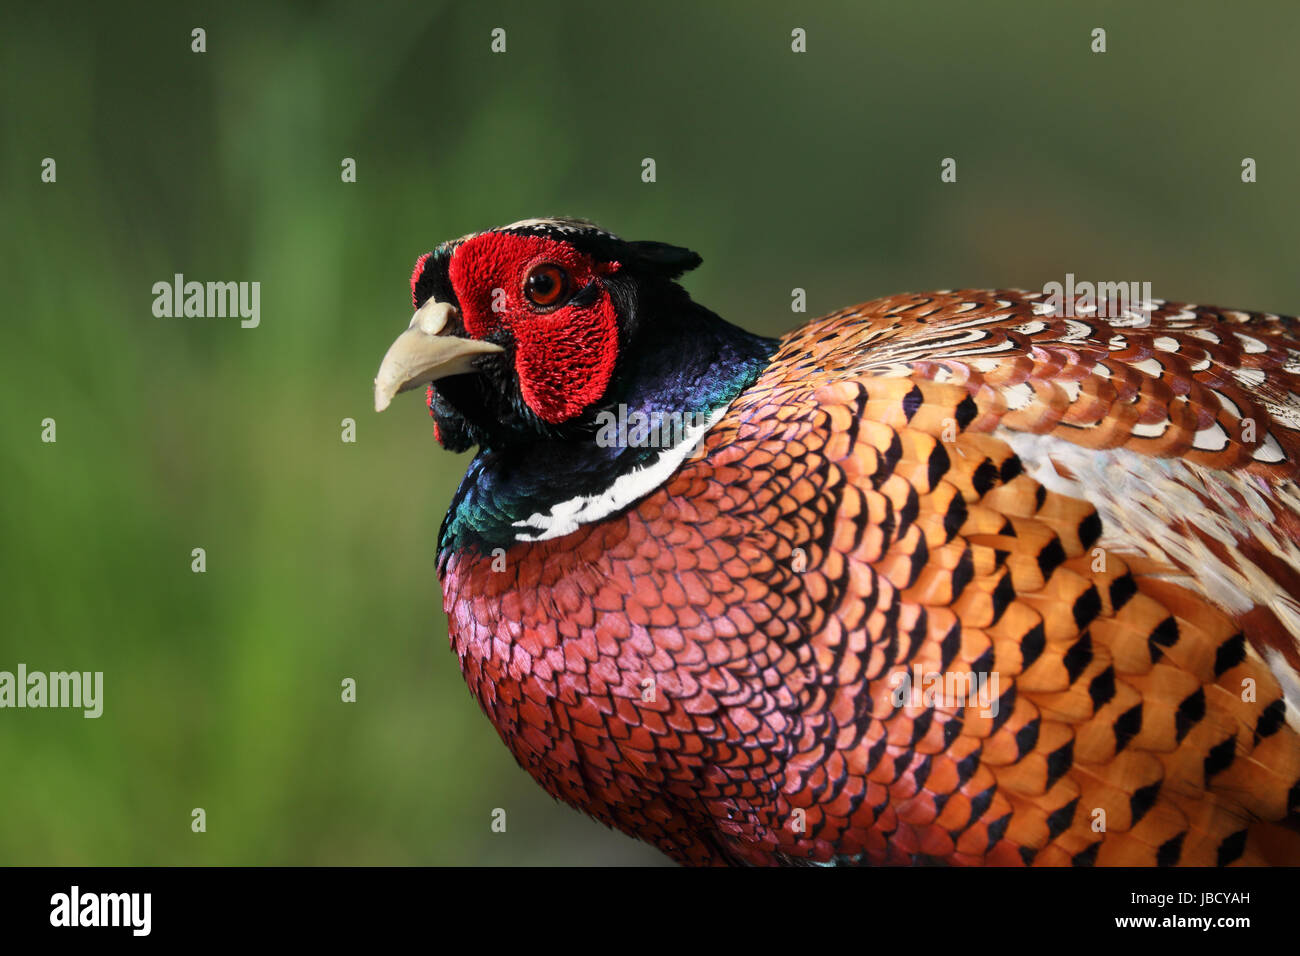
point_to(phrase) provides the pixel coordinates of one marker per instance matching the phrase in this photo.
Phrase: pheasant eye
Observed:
(546, 285)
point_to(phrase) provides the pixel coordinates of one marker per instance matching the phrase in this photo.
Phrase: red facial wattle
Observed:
(564, 357)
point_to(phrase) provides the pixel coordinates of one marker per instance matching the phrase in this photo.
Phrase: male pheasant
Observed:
(954, 577)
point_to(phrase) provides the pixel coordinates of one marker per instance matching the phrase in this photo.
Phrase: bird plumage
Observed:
(949, 578)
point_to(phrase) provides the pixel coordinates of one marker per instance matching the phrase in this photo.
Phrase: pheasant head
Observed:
(529, 331)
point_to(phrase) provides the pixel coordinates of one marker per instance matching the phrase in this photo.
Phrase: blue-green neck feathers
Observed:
(680, 372)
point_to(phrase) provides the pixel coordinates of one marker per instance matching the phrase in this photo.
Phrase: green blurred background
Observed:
(818, 170)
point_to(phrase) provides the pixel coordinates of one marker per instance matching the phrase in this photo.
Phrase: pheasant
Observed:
(960, 577)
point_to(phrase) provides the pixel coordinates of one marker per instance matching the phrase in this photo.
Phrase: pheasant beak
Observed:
(423, 354)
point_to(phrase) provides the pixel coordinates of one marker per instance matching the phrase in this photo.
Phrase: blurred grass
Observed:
(782, 170)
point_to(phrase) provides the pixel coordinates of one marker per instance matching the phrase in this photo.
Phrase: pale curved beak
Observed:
(422, 353)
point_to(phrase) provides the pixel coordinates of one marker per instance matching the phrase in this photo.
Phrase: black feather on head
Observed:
(651, 258)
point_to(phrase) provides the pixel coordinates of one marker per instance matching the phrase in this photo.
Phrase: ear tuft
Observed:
(660, 257)
(416, 273)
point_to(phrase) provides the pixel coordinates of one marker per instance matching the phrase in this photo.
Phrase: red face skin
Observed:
(564, 355)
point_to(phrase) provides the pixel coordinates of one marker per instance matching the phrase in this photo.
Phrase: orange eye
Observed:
(546, 285)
